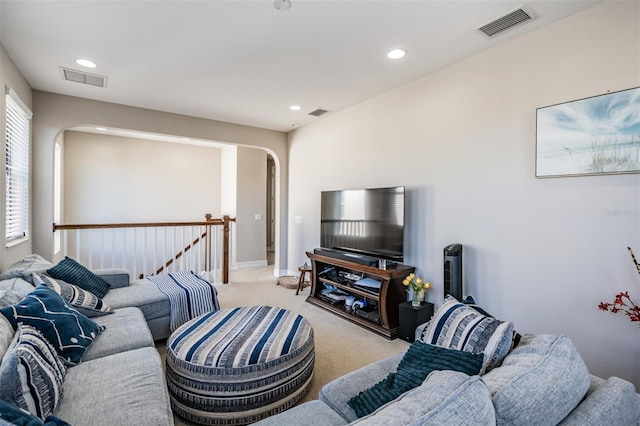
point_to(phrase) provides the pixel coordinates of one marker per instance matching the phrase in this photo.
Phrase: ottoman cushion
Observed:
(237, 366)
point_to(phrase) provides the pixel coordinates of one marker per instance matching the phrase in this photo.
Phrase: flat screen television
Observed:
(364, 221)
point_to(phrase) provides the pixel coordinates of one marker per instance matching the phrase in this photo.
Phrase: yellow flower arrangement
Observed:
(416, 284)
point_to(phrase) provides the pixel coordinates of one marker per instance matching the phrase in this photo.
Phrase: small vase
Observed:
(415, 302)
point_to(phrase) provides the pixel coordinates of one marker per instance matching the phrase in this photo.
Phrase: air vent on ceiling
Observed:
(83, 77)
(506, 22)
(318, 112)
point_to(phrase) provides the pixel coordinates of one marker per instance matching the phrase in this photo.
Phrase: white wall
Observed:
(55, 113)
(540, 252)
(112, 179)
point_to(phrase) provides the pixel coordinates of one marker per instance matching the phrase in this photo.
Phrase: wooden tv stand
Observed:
(392, 291)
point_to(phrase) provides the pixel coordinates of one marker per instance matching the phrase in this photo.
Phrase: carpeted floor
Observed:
(340, 346)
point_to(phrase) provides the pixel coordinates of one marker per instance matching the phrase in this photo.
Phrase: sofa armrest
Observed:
(310, 413)
(613, 401)
(336, 393)
(116, 277)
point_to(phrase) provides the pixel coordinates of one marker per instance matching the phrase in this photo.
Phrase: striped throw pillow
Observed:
(31, 374)
(83, 301)
(74, 273)
(458, 326)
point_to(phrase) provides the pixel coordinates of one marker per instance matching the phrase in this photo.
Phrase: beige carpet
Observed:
(340, 346)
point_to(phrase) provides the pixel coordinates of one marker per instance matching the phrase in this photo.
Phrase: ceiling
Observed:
(244, 61)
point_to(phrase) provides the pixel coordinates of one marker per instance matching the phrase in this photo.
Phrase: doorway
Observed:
(271, 209)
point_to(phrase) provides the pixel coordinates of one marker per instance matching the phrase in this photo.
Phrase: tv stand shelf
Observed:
(392, 291)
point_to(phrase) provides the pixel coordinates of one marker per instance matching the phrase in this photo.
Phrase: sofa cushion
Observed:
(337, 392)
(609, 402)
(17, 285)
(125, 330)
(310, 413)
(445, 398)
(9, 297)
(72, 272)
(457, 326)
(25, 267)
(116, 277)
(6, 335)
(122, 389)
(13, 415)
(70, 332)
(142, 294)
(31, 374)
(82, 300)
(539, 382)
(420, 360)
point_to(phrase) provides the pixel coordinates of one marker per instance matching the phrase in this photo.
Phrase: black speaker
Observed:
(453, 270)
(410, 318)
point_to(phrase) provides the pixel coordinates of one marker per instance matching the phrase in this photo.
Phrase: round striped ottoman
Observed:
(237, 366)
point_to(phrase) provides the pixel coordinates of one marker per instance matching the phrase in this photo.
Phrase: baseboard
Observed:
(252, 264)
(283, 272)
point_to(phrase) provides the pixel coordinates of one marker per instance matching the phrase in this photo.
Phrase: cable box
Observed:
(331, 300)
(369, 313)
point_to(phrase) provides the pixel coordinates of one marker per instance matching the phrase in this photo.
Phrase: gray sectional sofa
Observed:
(120, 379)
(542, 381)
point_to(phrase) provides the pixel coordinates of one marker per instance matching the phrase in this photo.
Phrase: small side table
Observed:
(302, 283)
(411, 318)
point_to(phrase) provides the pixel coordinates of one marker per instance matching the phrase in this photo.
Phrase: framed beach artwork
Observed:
(592, 136)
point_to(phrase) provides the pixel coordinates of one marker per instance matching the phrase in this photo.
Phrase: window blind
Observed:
(17, 167)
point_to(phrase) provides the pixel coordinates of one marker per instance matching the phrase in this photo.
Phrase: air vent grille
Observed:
(318, 112)
(508, 21)
(83, 77)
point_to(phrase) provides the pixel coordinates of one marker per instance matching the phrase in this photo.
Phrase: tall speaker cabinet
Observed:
(348, 289)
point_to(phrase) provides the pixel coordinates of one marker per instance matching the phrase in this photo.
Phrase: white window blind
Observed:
(17, 167)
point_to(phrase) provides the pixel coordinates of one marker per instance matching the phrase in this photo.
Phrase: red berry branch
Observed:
(623, 302)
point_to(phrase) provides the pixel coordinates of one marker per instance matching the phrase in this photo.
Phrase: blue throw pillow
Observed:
(31, 374)
(420, 360)
(12, 415)
(70, 332)
(74, 273)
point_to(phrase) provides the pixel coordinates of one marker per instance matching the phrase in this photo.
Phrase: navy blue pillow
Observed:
(17, 416)
(420, 360)
(68, 331)
(74, 273)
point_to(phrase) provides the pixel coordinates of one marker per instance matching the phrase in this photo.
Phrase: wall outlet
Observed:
(258, 216)
(298, 219)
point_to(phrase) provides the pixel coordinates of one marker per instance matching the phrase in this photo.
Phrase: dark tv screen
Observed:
(364, 221)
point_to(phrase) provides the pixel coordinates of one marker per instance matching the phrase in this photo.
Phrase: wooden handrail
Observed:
(57, 227)
(179, 255)
(208, 222)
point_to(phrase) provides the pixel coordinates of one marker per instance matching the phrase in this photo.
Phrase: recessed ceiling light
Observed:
(282, 4)
(86, 63)
(102, 129)
(295, 107)
(396, 54)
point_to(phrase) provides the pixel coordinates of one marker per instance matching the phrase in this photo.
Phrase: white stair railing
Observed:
(152, 248)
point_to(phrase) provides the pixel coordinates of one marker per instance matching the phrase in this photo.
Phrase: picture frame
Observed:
(590, 136)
